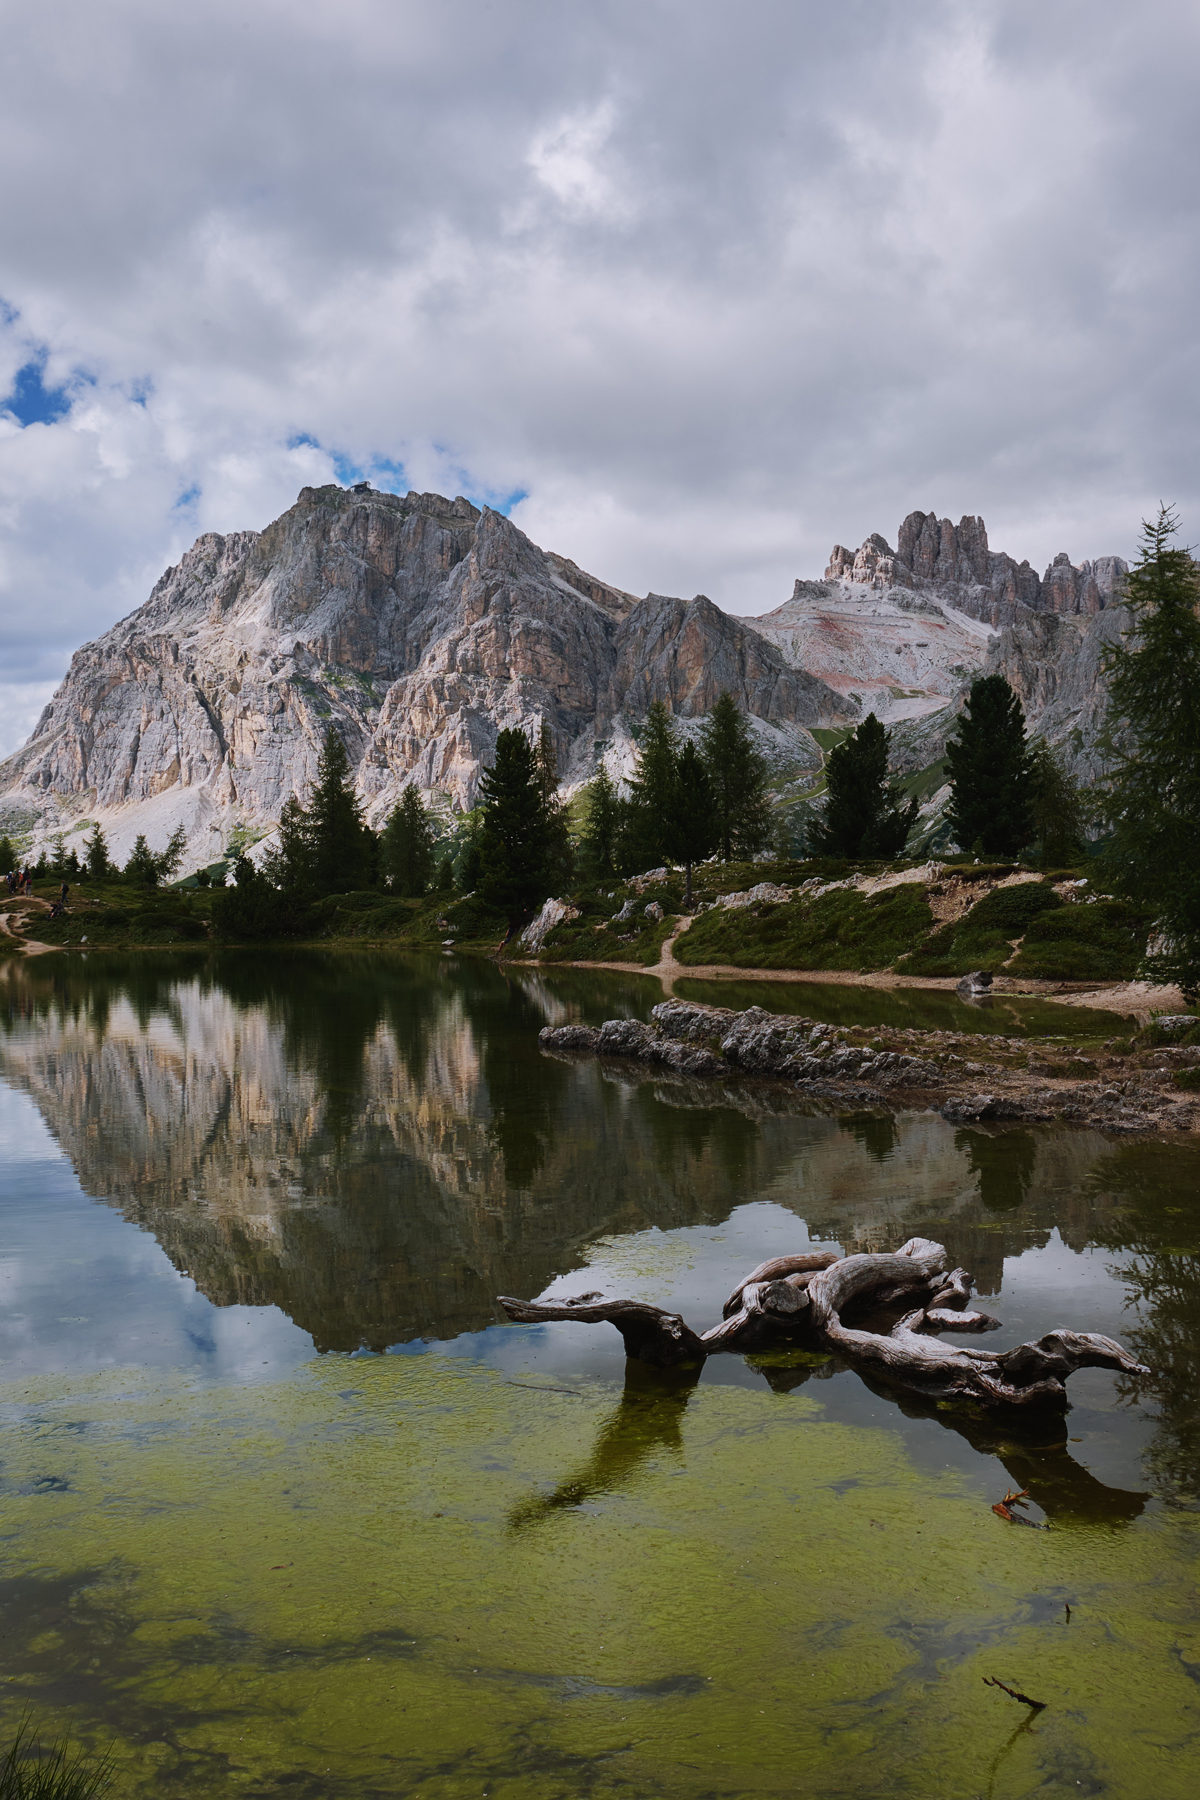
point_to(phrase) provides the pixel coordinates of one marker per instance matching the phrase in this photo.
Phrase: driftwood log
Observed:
(801, 1300)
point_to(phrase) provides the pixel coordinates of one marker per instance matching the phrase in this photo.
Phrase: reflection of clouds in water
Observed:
(82, 1289)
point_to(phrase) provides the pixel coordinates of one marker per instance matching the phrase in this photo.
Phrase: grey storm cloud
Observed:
(692, 289)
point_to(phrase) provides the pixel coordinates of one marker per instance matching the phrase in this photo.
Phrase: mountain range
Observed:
(419, 627)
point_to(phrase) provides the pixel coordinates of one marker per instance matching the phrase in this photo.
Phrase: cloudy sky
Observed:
(692, 289)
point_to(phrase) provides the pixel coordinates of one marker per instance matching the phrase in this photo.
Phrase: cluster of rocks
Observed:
(708, 1041)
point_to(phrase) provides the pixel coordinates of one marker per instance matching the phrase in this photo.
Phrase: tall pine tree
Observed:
(515, 852)
(601, 831)
(1057, 807)
(340, 841)
(991, 804)
(693, 832)
(738, 773)
(406, 856)
(1151, 798)
(865, 815)
(646, 831)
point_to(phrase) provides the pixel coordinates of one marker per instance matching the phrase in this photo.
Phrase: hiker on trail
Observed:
(64, 890)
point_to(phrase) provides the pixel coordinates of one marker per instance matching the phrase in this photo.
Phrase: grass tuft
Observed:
(30, 1771)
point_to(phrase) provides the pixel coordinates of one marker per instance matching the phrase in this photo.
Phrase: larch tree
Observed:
(1151, 796)
(1057, 807)
(991, 804)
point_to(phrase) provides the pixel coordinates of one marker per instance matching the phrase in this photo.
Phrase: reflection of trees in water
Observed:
(649, 1418)
(524, 1087)
(1003, 1163)
(1158, 1227)
(876, 1132)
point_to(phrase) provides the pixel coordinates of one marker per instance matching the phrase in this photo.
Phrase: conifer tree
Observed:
(560, 860)
(8, 856)
(1057, 807)
(738, 773)
(406, 851)
(693, 825)
(514, 839)
(647, 825)
(602, 830)
(1151, 798)
(865, 815)
(96, 855)
(289, 866)
(341, 849)
(142, 866)
(991, 783)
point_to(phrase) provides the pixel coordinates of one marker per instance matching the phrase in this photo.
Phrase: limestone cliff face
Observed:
(417, 626)
(904, 630)
(988, 584)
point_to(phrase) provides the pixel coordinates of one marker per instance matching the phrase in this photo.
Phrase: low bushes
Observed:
(842, 930)
(1100, 940)
(983, 938)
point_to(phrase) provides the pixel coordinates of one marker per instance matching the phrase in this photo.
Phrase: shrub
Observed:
(1101, 940)
(843, 930)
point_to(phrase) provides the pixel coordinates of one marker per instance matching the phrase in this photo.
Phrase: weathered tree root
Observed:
(800, 1299)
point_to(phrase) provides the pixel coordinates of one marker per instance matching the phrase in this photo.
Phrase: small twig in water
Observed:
(531, 1389)
(1067, 1608)
(1038, 1705)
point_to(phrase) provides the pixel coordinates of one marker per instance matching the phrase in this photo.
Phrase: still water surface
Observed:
(287, 1509)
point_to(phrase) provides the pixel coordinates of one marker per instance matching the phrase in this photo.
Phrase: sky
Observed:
(692, 290)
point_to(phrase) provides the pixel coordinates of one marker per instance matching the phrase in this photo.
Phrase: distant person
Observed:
(63, 891)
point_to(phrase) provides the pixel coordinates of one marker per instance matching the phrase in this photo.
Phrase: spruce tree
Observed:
(602, 830)
(289, 867)
(1151, 797)
(514, 846)
(96, 857)
(142, 866)
(865, 815)
(693, 832)
(991, 804)
(8, 856)
(341, 851)
(406, 852)
(646, 828)
(738, 773)
(560, 860)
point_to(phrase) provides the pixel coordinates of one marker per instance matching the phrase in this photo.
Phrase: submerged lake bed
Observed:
(287, 1507)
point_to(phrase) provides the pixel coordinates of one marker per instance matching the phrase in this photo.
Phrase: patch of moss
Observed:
(842, 930)
(1102, 940)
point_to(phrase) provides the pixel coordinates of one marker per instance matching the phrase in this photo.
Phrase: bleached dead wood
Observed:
(800, 1300)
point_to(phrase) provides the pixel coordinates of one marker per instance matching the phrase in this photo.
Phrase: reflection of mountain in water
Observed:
(378, 1148)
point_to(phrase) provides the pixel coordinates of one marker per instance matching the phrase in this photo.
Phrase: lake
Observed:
(290, 1510)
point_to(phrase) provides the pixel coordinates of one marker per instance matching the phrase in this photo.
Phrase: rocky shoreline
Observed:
(1122, 1089)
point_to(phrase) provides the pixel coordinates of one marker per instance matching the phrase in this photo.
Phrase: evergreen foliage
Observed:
(406, 852)
(97, 860)
(737, 771)
(646, 829)
(1057, 808)
(693, 833)
(1151, 798)
(602, 829)
(253, 910)
(8, 856)
(339, 841)
(515, 834)
(865, 815)
(142, 866)
(991, 805)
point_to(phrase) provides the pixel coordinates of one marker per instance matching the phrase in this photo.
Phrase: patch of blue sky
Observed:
(301, 439)
(188, 497)
(30, 401)
(497, 499)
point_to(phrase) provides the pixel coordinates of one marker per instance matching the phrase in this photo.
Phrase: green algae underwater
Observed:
(286, 1512)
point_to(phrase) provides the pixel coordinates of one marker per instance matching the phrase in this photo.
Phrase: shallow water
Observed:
(286, 1508)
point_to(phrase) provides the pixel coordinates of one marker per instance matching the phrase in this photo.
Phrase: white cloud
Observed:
(711, 287)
